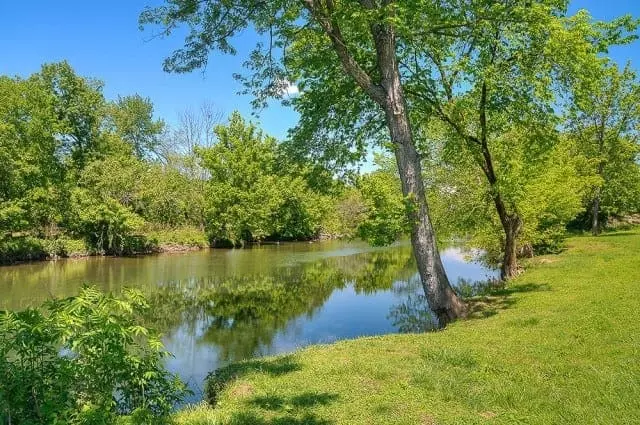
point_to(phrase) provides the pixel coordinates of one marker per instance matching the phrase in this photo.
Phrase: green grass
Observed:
(561, 345)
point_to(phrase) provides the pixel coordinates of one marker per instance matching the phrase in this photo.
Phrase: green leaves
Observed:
(385, 219)
(131, 118)
(82, 360)
(254, 191)
(604, 119)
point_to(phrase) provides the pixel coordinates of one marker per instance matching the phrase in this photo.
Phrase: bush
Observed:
(62, 246)
(181, 236)
(84, 360)
(107, 226)
(22, 248)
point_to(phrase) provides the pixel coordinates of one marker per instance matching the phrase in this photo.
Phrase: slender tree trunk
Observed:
(441, 297)
(388, 94)
(595, 211)
(509, 267)
(595, 224)
(512, 226)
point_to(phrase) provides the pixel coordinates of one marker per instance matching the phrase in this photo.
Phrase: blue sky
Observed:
(102, 40)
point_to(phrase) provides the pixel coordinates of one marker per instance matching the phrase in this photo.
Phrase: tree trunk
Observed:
(442, 299)
(595, 224)
(512, 229)
(388, 94)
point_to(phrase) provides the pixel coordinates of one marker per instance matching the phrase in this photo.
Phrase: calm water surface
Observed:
(220, 306)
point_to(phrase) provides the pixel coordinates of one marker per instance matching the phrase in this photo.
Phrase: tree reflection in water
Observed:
(214, 321)
(242, 314)
(413, 314)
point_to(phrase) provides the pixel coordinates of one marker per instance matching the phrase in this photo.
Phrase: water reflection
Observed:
(218, 307)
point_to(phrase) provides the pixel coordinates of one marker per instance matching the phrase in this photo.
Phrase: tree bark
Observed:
(442, 299)
(595, 224)
(388, 94)
(595, 211)
(512, 229)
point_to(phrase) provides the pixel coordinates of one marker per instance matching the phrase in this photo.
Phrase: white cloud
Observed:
(290, 90)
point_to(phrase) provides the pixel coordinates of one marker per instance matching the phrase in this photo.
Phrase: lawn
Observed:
(560, 345)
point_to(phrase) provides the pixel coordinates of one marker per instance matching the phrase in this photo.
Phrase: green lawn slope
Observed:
(561, 345)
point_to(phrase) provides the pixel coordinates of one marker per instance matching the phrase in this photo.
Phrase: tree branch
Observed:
(350, 65)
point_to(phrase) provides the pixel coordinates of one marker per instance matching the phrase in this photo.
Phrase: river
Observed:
(219, 306)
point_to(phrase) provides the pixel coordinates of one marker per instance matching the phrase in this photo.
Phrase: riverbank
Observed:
(560, 345)
(26, 248)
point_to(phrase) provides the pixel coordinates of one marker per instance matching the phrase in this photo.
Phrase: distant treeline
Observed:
(82, 175)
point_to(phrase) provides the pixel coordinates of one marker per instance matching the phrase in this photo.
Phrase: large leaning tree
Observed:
(344, 56)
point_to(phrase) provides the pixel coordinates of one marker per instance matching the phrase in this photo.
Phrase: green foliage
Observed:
(180, 237)
(546, 185)
(28, 146)
(84, 360)
(385, 219)
(107, 225)
(21, 248)
(345, 213)
(79, 107)
(79, 167)
(604, 120)
(252, 192)
(131, 118)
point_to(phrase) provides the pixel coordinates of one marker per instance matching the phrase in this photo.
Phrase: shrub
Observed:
(62, 246)
(21, 248)
(107, 226)
(181, 236)
(84, 360)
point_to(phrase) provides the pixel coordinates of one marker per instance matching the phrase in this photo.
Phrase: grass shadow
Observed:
(246, 418)
(500, 298)
(302, 401)
(218, 380)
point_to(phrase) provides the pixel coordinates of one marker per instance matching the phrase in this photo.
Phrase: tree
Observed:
(604, 117)
(359, 38)
(541, 174)
(492, 69)
(131, 119)
(251, 193)
(384, 220)
(79, 107)
(30, 169)
(196, 127)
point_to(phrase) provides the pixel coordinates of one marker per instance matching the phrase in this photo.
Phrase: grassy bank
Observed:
(560, 345)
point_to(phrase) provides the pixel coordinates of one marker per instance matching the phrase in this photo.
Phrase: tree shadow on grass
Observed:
(302, 401)
(247, 418)
(285, 410)
(218, 380)
(498, 299)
